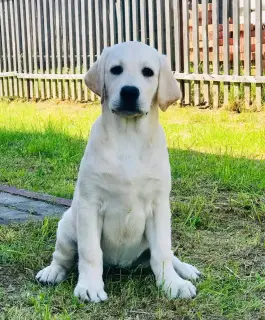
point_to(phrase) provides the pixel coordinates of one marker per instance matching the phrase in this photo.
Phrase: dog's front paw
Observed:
(175, 287)
(52, 274)
(185, 270)
(90, 292)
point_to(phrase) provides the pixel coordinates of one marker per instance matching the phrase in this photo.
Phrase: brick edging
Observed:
(36, 195)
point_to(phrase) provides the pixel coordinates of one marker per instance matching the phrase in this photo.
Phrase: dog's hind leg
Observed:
(64, 254)
(184, 270)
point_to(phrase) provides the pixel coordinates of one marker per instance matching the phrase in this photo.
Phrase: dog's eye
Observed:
(147, 72)
(116, 70)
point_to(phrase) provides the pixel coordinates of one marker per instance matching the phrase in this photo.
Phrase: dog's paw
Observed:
(175, 287)
(51, 275)
(185, 270)
(90, 292)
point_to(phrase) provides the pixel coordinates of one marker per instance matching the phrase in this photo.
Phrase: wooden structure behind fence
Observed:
(47, 45)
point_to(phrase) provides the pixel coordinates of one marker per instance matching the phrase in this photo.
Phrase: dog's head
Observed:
(130, 77)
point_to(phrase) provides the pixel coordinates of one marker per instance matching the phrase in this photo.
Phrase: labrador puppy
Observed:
(121, 203)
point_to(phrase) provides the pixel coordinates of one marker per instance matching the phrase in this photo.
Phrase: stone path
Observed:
(18, 208)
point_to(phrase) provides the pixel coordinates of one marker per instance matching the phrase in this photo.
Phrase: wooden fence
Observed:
(47, 45)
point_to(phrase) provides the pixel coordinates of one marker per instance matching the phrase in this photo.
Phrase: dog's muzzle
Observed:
(129, 104)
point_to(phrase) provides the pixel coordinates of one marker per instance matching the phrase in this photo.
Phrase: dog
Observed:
(121, 207)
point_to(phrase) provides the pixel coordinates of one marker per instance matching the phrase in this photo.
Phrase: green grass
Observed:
(218, 214)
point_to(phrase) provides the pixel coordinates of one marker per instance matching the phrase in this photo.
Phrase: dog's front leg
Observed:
(158, 232)
(90, 286)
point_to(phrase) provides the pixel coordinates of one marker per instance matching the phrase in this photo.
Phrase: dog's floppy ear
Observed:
(94, 78)
(168, 88)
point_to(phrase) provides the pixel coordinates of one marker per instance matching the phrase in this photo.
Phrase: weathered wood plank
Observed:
(160, 31)
(14, 48)
(71, 48)
(143, 19)
(40, 45)
(29, 46)
(176, 15)
(112, 22)
(151, 23)
(59, 70)
(206, 70)
(247, 51)
(179, 76)
(168, 38)
(258, 52)
(34, 56)
(216, 85)
(24, 47)
(84, 44)
(186, 49)
(47, 50)
(78, 50)
(135, 19)
(226, 48)
(127, 16)
(9, 48)
(196, 53)
(52, 40)
(1, 60)
(65, 46)
(236, 39)
(119, 11)
(91, 40)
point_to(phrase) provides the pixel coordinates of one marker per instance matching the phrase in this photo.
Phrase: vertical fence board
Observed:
(71, 46)
(14, 48)
(29, 45)
(18, 37)
(84, 43)
(58, 47)
(34, 42)
(247, 51)
(186, 51)
(91, 41)
(9, 49)
(78, 51)
(24, 48)
(105, 24)
(226, 48)
(151, 19)
(236, 40)
(177, 51)
(205, 29)
(258, 52)
(40, 46)
(196, 53)
(168, 31)
(135, 19)
(159, 26)
(127, 20)
(119, 20)
(1, 55)
(47, 49)
(65, 47)
(143, 8)
(216, 85)
(112, 22)
(52, 39)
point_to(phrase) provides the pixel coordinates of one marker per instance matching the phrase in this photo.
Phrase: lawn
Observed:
(218, 214)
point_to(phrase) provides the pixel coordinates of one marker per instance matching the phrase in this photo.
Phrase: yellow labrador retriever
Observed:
(121, 203)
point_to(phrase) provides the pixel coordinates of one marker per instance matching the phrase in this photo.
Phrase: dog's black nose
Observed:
(129, 93)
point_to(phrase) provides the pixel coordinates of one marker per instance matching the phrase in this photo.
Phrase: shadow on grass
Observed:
(48, 161)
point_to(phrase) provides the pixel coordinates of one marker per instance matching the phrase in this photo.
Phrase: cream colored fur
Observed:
(121, 202)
